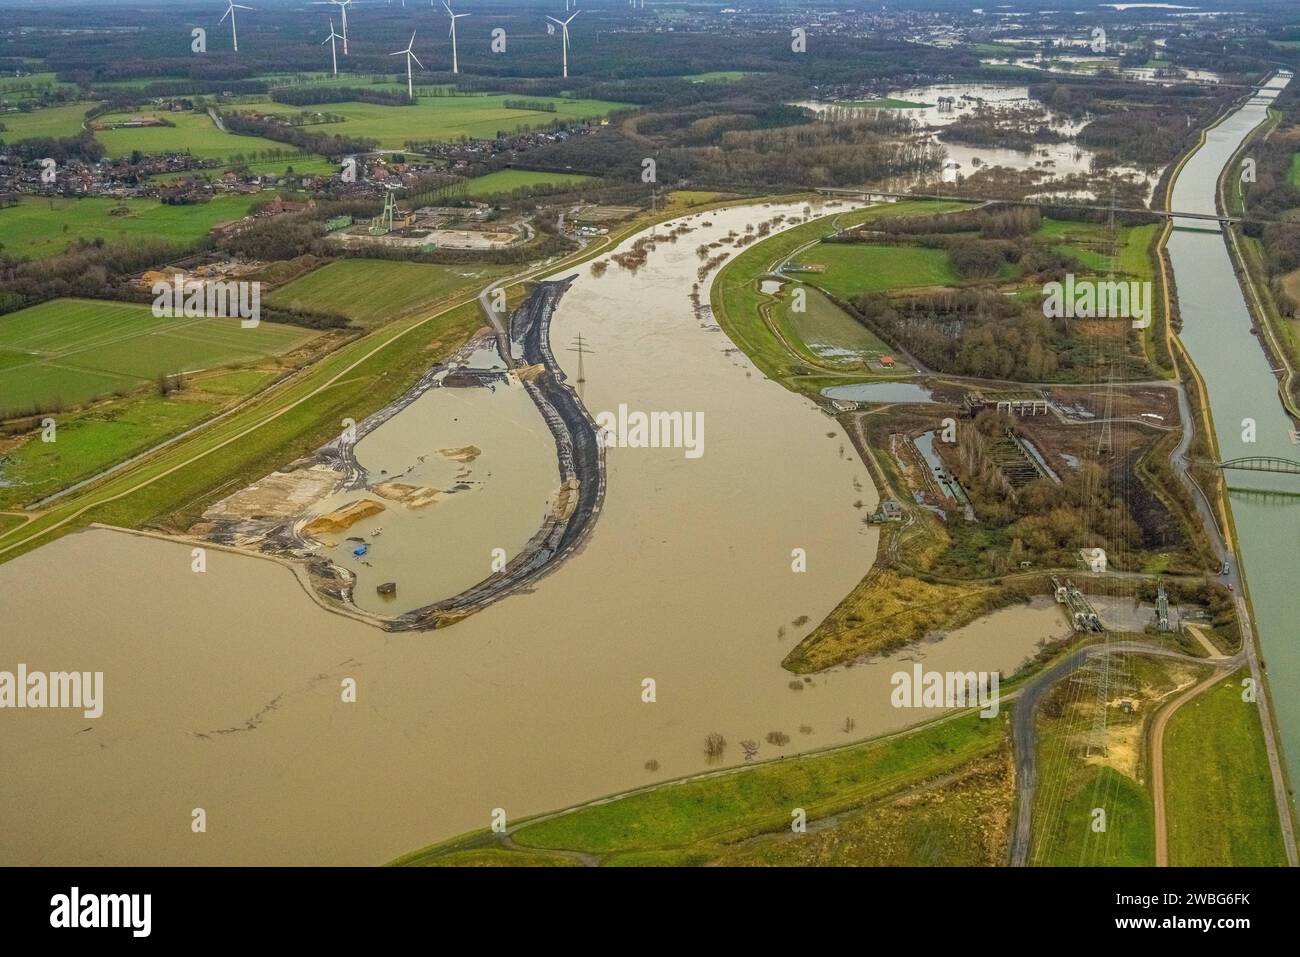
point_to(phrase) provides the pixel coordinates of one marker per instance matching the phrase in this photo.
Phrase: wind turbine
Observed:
(334, 53)
(231, 7)
(343, 9)
(410, 87)
(455, 66)
(564, 26)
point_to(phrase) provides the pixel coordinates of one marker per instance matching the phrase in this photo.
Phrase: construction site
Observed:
(355, 532)
(428, 228)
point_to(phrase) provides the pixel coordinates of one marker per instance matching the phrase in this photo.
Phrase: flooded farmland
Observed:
(1054, 161)
(222, 689)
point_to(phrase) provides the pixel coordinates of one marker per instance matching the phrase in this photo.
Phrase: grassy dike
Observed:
(1220, 810)
(744, 815)
(292, 417)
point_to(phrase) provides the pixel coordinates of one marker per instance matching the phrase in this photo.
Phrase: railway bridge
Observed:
(1262, 463)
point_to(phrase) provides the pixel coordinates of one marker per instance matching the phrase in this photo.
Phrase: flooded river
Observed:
(222, 689)
(1216, 330)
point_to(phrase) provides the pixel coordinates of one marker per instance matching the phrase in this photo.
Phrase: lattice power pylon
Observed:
(1103, 676)
(580, 347)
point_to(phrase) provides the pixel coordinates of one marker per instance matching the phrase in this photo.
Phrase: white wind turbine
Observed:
(564, 26)
(343, 10)
(455, 65)
(231, 7)
(410, 87)
(334, 53)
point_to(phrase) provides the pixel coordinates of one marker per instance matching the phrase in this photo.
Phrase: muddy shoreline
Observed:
(581, 468)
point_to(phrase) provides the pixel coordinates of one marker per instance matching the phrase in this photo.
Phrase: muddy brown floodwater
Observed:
(222, 689)
(492, 458)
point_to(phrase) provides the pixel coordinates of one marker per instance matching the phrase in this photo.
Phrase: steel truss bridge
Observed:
(1262, 463)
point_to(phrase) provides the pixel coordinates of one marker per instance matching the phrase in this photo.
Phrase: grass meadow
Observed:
(68, 351)
(40, 226)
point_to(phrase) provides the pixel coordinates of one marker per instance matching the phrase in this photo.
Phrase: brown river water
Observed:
(222, 689)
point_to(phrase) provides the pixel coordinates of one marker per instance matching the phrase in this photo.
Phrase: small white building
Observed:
(1094, 559)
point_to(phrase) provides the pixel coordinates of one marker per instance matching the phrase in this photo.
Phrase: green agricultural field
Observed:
(309, 165)
(40, 226)
(442, 117)
(68, 351)
(509, 180)
(850, 269)
(716, 76)
(368, 81)
(1091, 245)
(371, 292)
(93, 440)
(18, 88)
(58, 121)
(1069, 840)
(740, 817)
(1218, 793)
(96, 438)
(828, 332)
(194, 133)
(888, 103)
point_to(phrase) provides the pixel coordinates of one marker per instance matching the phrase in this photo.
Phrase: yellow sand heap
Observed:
(341, 519)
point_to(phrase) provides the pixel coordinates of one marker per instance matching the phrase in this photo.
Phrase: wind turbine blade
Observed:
(448, 9)
(553, 20)
(411, 42)
(224, 15)
(397, 53)
(416, 59)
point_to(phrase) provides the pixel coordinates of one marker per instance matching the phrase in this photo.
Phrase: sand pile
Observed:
(341, 519)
